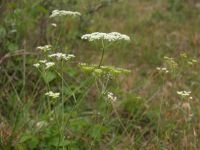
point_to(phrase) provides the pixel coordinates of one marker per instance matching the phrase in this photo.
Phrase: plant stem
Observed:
(24, 75)
(62, 92)
(102, 54)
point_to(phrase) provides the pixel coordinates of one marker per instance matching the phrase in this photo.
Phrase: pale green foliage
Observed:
(103, 70)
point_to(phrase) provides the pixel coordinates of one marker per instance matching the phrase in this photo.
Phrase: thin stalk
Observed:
(13, 87)
(160, 114)
(66, 84)
(24, 75)
(62, 97)
(62, 93)
(102, 54)
(48, 89)
(48, 99)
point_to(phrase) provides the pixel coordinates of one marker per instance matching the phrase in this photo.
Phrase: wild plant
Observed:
(102, 74)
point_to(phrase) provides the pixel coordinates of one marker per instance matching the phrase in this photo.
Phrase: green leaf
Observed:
(25, 137)
(33, 142)
(48, 76)
(55, 141)
(79, 124)
(97, 131)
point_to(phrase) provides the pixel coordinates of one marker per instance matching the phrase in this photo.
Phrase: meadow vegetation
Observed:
(100, 74)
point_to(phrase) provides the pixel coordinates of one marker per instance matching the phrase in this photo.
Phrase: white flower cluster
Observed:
(44, 62)
(49, 65)
(163, 69)
(184, 93)
(45, 48)
(111, 37)
(52, 94)
(36, 65)
(56, 13)
(111, 96)
(54, 25)
(60, 56)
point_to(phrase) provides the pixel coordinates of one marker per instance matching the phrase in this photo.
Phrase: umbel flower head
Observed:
(60, 56)
(111, 37)
(58, 13)
(162, 69)
(52, 94)
(111, 97)
(49, 65)
(184, 93)
(36, 65)
(45, 48)
(44, 62)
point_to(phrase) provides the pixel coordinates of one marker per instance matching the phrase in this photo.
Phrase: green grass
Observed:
(148, 112)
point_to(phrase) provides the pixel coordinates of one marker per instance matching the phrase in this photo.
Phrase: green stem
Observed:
(62, 94)
(102, 54)
(48, 89)
(24, 75)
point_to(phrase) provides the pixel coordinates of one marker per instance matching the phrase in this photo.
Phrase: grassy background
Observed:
(148, 114)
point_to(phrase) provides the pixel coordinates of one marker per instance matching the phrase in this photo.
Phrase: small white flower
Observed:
(49, 65)
(43, 61)
(69, 56)
(111, 37)
(45, 48)
(36, 65)
(111, 96)
(54, 25)
(158, 68)
(52, 94)
(165, 70)
(184, 93)
(56, 13)
(60, 56)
